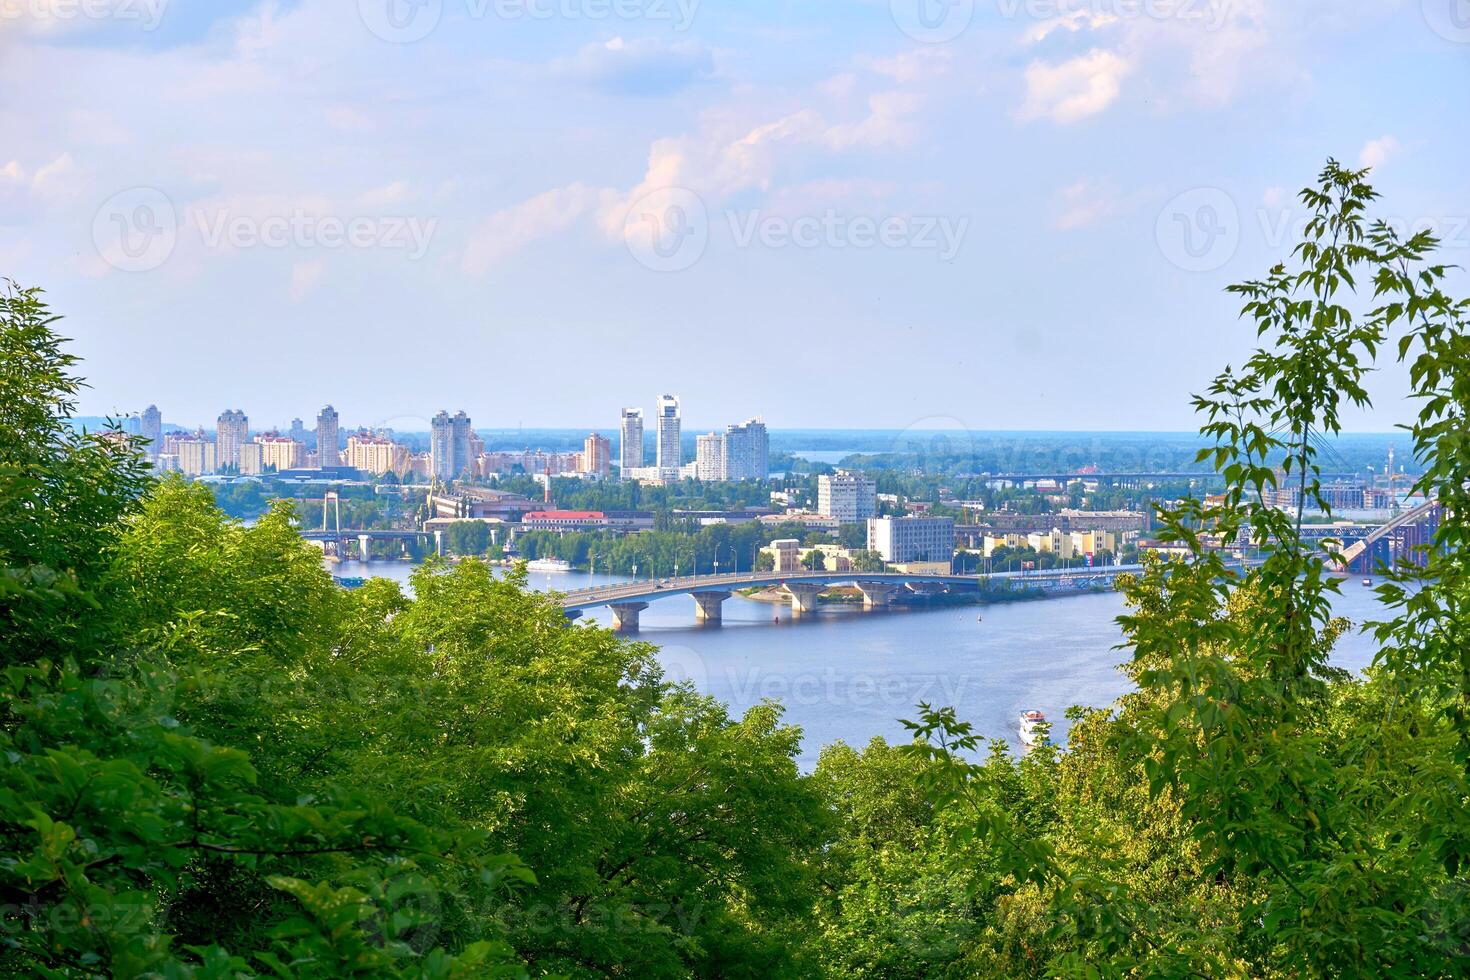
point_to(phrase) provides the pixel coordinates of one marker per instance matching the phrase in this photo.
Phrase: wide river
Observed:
(847, 674)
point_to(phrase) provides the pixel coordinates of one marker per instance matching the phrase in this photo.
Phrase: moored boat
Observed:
(1033, 727)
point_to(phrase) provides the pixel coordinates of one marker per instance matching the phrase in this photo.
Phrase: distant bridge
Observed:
(1393, 540)
(628, 599)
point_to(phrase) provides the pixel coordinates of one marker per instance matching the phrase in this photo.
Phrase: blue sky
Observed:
(999, 214)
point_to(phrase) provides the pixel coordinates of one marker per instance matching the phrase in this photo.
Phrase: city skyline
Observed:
(1040, 212)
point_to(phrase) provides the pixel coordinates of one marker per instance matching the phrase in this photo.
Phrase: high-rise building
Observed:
(849, 497)
(375, 454)
(747, 451)
(326, 438)
(709, 457)
(278, 452)
(449, 445)
(250, 459)
(669, 454)
(196, 454)
(230, 434)
(912, 539)
(301, 433)
(596, 454)
(151, 430)
(630, 441)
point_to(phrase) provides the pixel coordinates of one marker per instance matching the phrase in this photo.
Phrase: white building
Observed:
(230, 431)
(912, 539)
(449, 445)
(709, 457)
(849, 497)
(375, 454)
(326, 438)
(669, 453)
(747, 451)
(196, 455)
(630, 442)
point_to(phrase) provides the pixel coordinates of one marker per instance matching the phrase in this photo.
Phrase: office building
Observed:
(449, 445)
(747, 451)
(669, 455)
(630, 441)
(326, 438)
(150, 430)
(300, 432)
(785, 554)
(596, 455)
(912, 539)
(231, 430)
(278, 452)
(850, 497)
(709, 457)
(196, 454)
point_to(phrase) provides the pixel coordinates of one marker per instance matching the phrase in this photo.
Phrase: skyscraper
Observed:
(630, 442)
(449, 445)
(326, 438)
(300, 433)
(747, 451)
(596, 454)
(669, 454)
(151, 431)
(230, 431)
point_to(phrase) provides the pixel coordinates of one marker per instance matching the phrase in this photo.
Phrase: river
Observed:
(848, 674)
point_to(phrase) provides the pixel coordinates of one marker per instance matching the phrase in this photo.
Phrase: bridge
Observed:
(628, 599)
(1396, 539)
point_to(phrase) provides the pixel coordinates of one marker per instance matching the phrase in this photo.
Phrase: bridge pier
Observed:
(708, 606)
(876, 595)
(803, 596)
(625, 615)
(364, 552)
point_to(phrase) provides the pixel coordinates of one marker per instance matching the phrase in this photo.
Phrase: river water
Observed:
(847, 674)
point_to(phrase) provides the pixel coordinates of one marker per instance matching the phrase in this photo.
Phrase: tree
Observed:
(765, 562)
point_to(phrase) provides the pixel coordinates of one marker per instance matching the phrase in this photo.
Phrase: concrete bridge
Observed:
(628, 599)
(1398, 539)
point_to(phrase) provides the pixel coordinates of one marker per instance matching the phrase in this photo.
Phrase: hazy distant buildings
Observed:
(375, 454)
(150, 429)
(231, 429)
(669, 454)
(709, 457)
(278, 452)
(912, 539)
(251, 459)
(596, 455)
(195, 454)
(326, 438)
(630, 441)
(747, 454)
(299, 432)
(849, 497)
(449, 445)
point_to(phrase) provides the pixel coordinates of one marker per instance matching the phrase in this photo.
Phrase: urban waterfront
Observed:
(846, 674)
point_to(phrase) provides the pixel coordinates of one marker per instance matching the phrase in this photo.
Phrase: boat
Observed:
(1033, 727)
(548, 565)
(350, 581)
(1367, 581)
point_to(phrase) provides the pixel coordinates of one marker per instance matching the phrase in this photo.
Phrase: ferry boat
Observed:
(1032, 730)
(350, 581)
(548, 565)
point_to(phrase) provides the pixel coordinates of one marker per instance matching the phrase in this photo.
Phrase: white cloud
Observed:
(1074, 89)
(644, 66)
(305, 277)
(1375, 153)
(1084, 203)
(508, 230)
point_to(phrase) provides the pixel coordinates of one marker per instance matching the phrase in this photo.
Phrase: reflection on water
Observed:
(848, 674)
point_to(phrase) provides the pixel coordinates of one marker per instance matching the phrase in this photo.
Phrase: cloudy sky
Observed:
(834, 213)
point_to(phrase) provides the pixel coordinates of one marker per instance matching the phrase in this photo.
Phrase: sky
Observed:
(985, 214)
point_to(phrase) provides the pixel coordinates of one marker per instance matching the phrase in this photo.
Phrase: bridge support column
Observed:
(625, 615)
(571, 614)
(803, 596)
(708, 606)
(362, 546)
(876, 595)
(439, 543)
